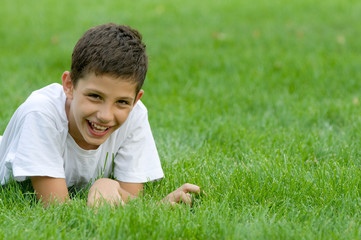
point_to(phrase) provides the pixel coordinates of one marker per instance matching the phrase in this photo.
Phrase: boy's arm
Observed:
(133, 189)
(50, 190)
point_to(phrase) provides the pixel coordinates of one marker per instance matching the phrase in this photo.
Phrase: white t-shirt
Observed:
(36, 142)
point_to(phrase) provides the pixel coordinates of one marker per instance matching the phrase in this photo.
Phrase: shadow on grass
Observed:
(22, 193)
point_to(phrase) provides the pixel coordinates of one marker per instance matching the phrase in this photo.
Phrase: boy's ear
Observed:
(139, 95)
(67, 85)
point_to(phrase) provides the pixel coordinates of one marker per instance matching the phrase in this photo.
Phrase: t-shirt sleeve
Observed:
(38, 150)
(137, 159)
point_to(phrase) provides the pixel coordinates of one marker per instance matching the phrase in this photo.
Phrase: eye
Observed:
(94, 96)
(123, 102)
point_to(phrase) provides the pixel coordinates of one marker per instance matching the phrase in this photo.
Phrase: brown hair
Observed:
(112, 49)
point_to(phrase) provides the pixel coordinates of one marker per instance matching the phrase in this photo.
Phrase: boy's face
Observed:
(97, 106)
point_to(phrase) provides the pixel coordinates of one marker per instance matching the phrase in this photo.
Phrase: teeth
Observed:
(98, 128)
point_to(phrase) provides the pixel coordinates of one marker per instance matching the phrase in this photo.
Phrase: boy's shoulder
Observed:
(49, 100)
(139, 106)
(139, 111)
(52, 91)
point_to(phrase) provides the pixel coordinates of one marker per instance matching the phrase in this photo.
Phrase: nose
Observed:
(105, 114)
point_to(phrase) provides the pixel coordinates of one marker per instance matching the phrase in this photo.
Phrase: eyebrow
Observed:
(87, 90)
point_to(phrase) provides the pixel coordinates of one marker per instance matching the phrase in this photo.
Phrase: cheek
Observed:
(86, 108)
(122, 116)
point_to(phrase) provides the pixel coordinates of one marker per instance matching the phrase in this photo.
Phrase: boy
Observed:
(66, 136)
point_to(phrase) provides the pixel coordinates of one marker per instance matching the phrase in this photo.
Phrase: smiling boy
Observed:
(65, 135)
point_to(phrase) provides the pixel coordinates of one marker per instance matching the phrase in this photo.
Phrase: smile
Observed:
(97, 129)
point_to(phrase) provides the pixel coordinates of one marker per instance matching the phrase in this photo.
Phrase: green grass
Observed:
(258, 102)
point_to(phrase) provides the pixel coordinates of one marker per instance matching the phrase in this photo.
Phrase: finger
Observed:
(187, 187)
(189, 198)
(114, 201)
(173, 197)
(186, 198)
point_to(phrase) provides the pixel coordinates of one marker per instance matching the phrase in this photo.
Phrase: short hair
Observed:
(111, 49)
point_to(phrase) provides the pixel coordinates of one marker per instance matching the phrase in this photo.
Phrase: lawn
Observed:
(258, 102)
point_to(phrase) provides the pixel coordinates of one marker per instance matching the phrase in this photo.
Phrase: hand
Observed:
(105, 190)
(113, 192)
(182, 194)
